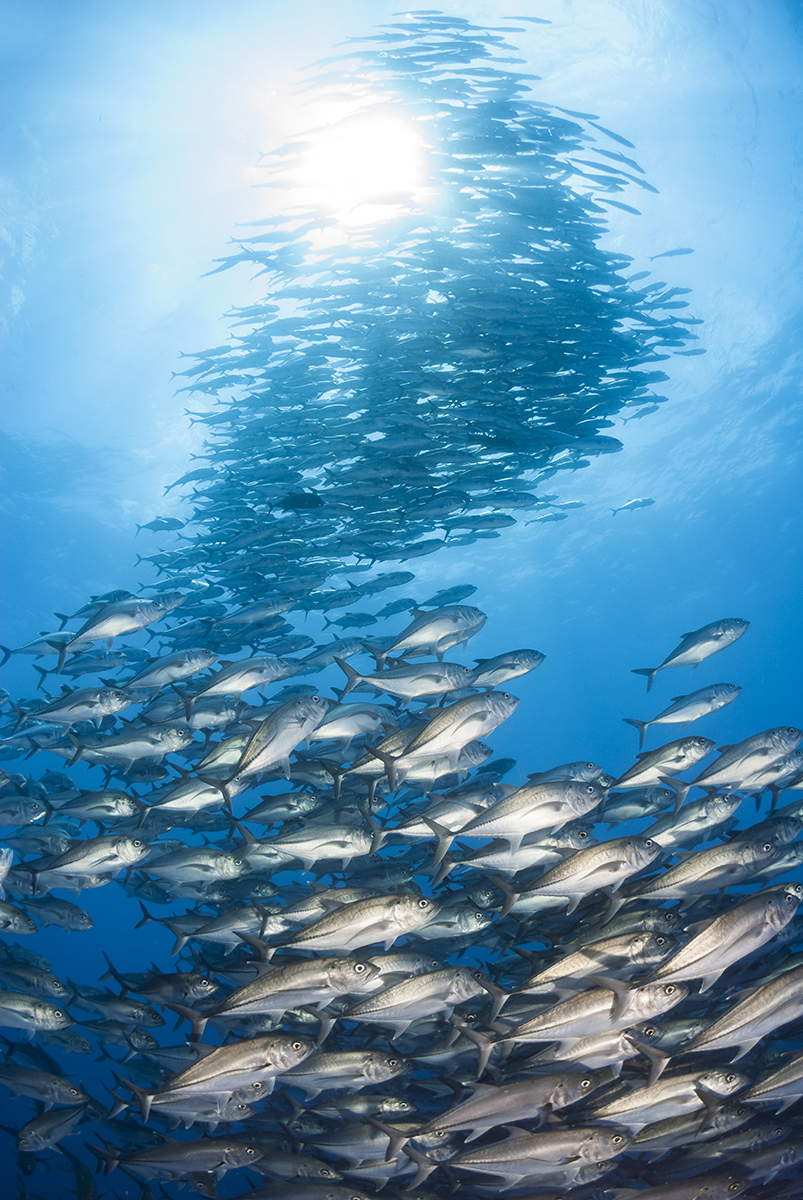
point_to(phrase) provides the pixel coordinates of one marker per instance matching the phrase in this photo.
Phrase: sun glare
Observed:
(364, 160)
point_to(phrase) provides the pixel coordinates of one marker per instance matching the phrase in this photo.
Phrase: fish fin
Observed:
(447, 863)
(621, 993)
(187, 700)
(425, 1164)
(484, 1044)
(444, 836)
(650, 672)
(681, 790)
(397, 1140)
(196, 1019)
(709, 980)
(641, 726)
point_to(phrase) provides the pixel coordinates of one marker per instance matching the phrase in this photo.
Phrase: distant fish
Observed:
(159, 524)
(644, 502)
(672, 253)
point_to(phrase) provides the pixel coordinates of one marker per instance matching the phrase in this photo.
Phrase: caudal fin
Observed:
(650, 672)
(641, 726)
(352, 676)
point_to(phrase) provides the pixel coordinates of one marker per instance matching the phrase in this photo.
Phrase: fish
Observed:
(469, 915)
(698, 645)
(685, 709)
(631, 505)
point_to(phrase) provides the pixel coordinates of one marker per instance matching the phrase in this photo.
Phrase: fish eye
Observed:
(206, 983)
(616, 1139)
(393, 1062)
(730, 1078)
(58, 1013)
(74, 1092)
(359, 968)
(767, 847)
(585, 1083)
(423, 903)
(650, 1031)
(238, 862)
(581, 833)
(648, 843)
(590, 790)
(659, 941)
(251, 1150)
(298, 1045)
(669, 990)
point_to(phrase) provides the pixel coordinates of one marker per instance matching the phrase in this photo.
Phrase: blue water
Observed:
(131, 157)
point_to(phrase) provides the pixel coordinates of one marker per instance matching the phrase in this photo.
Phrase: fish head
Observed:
(786, 738)
(502, 704)
(287, 1050)
(781, 908)
(649, 948)
(652, 999)
(574, 1086)
(170, 600)
(131, 850)
(724, 1080)
(411, 911)
(142, 1041)
(378, 1067)
(113, 699)
(722, 808)
(351, 975)
(732, 628)
(230, 866)
(642, 850)
(197, 987)
(696, 748)
(175, 737)
(606, 1143)
(583, 798)
(241, 1154)
(48, 1016)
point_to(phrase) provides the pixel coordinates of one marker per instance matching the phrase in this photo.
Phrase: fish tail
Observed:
(353, 677)
(379, 834)
(445, 839)
(682, 789)
(397, 1141)
(187, 699)
(140, 1095)
(42, 671)
(196, 1019)
(425, 1164)
(79, 749)
(650, 672)
(641, 726)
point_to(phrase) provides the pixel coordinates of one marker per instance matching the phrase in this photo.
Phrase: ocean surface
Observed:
(135, 162)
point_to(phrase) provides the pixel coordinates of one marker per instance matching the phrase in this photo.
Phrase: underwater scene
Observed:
(401, 745)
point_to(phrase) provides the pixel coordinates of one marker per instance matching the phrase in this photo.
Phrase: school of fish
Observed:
(376, 967)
